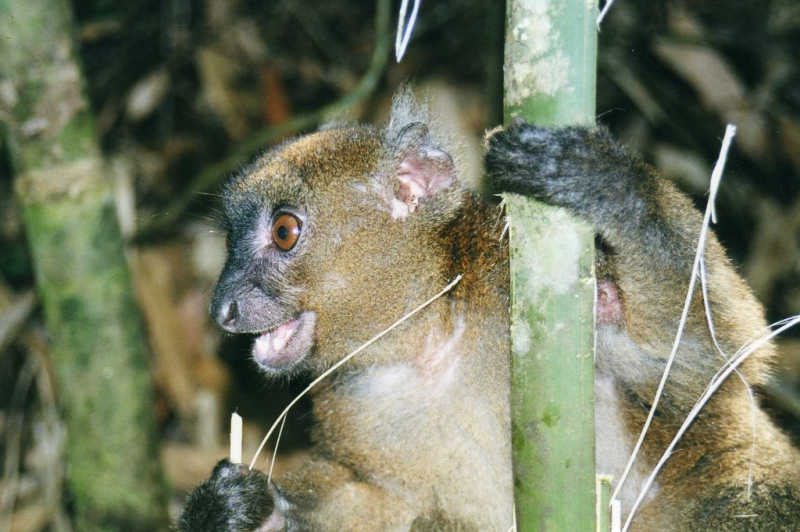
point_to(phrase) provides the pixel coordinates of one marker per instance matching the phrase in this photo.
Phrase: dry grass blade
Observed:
(712, 330)
(275, 451)
(731, 367)
(404, 29)
(715, 179)
(604, 12)
(731, 364)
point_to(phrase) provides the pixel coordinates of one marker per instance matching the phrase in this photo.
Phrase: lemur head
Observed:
(332, 231)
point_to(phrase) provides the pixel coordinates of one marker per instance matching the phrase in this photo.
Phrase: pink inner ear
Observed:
(609, 304)
(423, 172)
(412, 181)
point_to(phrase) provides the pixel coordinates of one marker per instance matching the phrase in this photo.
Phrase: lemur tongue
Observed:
(269, 345)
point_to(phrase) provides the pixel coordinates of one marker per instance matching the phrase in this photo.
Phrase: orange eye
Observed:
(285, 231)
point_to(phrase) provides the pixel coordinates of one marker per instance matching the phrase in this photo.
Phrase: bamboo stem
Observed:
(67, 202)
(550, 62)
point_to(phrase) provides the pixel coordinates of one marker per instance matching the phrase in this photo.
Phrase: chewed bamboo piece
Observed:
(236, 438)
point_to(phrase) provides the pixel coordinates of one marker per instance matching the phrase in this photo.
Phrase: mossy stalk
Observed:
(550, 58)
(65, 194)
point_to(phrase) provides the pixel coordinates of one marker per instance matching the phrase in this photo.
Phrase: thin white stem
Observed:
(604, 12)
(736, 361)
(348, 357)
(715, 179)
(712, 330)
(404, 29)
(616, 516)
(401, 21)
(275, 452)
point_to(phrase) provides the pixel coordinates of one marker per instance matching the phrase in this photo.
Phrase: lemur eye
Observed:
(285, 231)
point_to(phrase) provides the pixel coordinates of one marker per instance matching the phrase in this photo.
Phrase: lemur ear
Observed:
(423, 169)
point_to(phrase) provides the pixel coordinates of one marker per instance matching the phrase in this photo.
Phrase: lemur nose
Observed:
(227, 315)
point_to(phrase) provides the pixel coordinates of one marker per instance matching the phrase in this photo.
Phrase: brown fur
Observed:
(714, 457)
(414, 433)
(649, 232)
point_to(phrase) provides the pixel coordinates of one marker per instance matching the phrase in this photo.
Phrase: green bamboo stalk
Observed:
(550, 59)
(66, 197)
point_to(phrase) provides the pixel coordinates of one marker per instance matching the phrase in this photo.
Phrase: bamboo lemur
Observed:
(335, 235)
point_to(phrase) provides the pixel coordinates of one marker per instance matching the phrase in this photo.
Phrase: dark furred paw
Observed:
(234, 499)
(531, 159)
(580, 168)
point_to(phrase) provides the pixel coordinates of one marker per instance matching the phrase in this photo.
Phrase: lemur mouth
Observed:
(282, 347)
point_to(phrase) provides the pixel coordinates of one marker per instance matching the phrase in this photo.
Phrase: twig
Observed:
(13, 442)
(212, 175)
(345, 359)
(310, 21)
(12, 322)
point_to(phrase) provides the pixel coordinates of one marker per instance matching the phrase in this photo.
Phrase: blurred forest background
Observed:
(184, 92)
